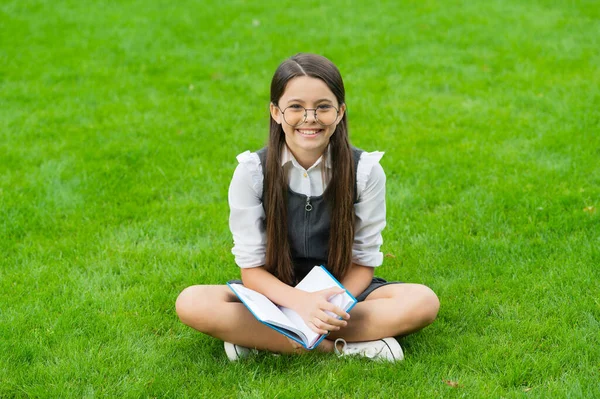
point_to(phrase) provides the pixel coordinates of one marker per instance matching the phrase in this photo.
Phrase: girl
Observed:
(307, 199)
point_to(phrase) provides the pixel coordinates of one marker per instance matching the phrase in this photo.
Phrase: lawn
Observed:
(119, 126)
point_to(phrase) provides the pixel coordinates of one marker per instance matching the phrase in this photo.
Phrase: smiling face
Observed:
(309, 140)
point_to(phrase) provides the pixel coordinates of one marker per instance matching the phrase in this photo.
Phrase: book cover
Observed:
(287, 321)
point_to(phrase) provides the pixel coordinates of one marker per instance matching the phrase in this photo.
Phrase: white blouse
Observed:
(247, 214)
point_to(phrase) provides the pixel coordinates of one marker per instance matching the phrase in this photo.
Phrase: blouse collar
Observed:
(287, 156)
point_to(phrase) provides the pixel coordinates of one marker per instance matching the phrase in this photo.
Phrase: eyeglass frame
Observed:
(337, 114)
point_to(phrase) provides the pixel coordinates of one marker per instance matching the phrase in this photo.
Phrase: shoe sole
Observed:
(395, 349)
(231, 351)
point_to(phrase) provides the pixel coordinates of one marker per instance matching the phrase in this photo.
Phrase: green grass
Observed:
(119, 126)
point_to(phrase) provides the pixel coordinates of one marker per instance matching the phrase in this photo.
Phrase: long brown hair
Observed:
(340, 191)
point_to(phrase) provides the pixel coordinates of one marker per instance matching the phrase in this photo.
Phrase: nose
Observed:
(311, 115)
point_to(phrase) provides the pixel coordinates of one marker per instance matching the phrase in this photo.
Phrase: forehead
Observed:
(307, 89)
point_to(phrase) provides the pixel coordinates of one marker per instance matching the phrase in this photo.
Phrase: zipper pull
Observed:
(308, 207)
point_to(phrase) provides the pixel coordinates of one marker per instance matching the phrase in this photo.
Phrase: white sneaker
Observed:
(387, 349)
(235, 352)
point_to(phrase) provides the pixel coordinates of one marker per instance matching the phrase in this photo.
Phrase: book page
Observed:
(311, 336)
(265, 310)
(316, 280)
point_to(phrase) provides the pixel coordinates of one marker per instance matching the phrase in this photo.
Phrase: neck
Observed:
(307, 158)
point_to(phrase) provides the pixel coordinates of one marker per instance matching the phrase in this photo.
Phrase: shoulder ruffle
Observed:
(365, 166)
(251, 162)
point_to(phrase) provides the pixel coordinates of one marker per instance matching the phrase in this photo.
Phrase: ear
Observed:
(275, 113)
(341, 112)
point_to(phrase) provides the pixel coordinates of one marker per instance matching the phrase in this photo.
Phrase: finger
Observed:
(329, 323)
(316, 329)
(329, 292)
(322, 325)
(335, 310)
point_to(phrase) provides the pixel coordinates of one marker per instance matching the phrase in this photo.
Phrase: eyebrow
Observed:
(302, 101)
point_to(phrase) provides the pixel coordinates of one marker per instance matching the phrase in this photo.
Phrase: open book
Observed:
(287, 321)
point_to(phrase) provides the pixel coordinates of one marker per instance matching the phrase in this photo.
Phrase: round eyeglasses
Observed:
(295, 115)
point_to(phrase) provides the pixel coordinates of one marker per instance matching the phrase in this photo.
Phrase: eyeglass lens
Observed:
(296, 115)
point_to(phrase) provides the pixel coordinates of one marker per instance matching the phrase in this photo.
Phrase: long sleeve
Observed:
(370, 211)
(246, 217)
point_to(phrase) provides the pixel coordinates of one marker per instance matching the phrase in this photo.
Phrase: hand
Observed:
(320, 315)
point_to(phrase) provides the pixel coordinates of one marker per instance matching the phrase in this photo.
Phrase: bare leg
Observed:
(390, 311)
(216, 311)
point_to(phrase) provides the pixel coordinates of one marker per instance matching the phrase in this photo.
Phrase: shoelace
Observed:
(337, 351)
(369, 352)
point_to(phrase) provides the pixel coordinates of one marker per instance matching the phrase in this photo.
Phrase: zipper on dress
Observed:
(308, 207)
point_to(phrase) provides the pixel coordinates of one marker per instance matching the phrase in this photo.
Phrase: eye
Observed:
(325, 107)
(296, 106)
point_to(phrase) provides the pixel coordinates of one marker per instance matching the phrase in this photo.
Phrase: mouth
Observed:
(308, 132)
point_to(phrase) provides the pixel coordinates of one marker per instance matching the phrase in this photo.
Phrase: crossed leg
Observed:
(391, 310)
(216, 311)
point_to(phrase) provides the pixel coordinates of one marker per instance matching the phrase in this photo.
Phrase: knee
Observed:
(428, 305)
(188, 305)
